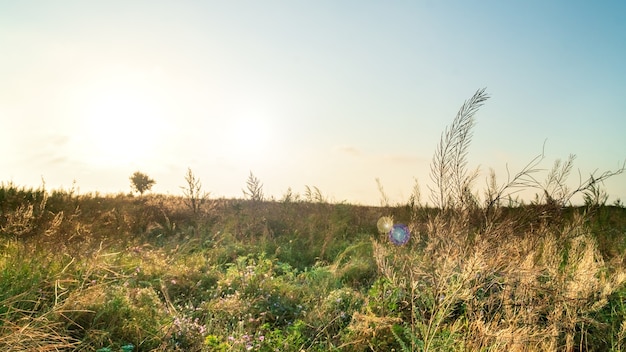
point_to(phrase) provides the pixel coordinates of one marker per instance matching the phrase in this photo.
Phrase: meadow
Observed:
(482, 271)
(98, 273)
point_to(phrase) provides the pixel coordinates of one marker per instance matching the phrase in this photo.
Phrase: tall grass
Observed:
(480, 279)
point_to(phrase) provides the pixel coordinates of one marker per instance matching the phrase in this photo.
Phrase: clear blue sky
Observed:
(330, 94)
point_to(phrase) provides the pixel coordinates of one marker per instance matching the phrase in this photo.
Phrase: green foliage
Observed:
(608, 330)
(117, 315)
(261, 288)
(387, 299)
(355, 265)
(214, 344)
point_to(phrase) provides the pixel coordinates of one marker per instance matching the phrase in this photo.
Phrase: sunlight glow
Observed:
(249, 138)
(121, 123)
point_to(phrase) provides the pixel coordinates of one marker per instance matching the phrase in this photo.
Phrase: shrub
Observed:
(101, 316)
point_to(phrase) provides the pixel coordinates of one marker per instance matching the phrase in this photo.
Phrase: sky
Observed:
(326, 94)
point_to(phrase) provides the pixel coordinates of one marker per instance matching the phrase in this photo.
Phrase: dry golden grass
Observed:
(530, 291)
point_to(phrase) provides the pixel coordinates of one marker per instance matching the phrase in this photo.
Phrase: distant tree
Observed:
(254, 188)
(140, 182)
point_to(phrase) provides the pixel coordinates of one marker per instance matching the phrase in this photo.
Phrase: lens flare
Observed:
(384, 224)
(399, 234)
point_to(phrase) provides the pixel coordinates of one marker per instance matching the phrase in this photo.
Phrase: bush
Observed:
(115, 316)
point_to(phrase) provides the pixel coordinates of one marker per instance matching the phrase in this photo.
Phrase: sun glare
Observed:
(250, 138)
(121, 123)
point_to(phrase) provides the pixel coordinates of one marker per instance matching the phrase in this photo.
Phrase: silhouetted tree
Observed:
(140, 182)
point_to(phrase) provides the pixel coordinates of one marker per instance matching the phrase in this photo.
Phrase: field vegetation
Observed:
(481, 272)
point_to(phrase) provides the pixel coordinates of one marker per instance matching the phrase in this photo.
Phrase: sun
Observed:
(121, 124)
(249, 138)
(252, 135)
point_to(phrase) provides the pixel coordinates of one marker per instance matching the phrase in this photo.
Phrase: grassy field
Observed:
(103, 273)
(481, 272)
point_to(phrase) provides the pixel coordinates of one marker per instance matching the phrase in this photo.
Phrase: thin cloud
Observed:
(405, 158)
(350, 150)
(59, 141)
(59, 160)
